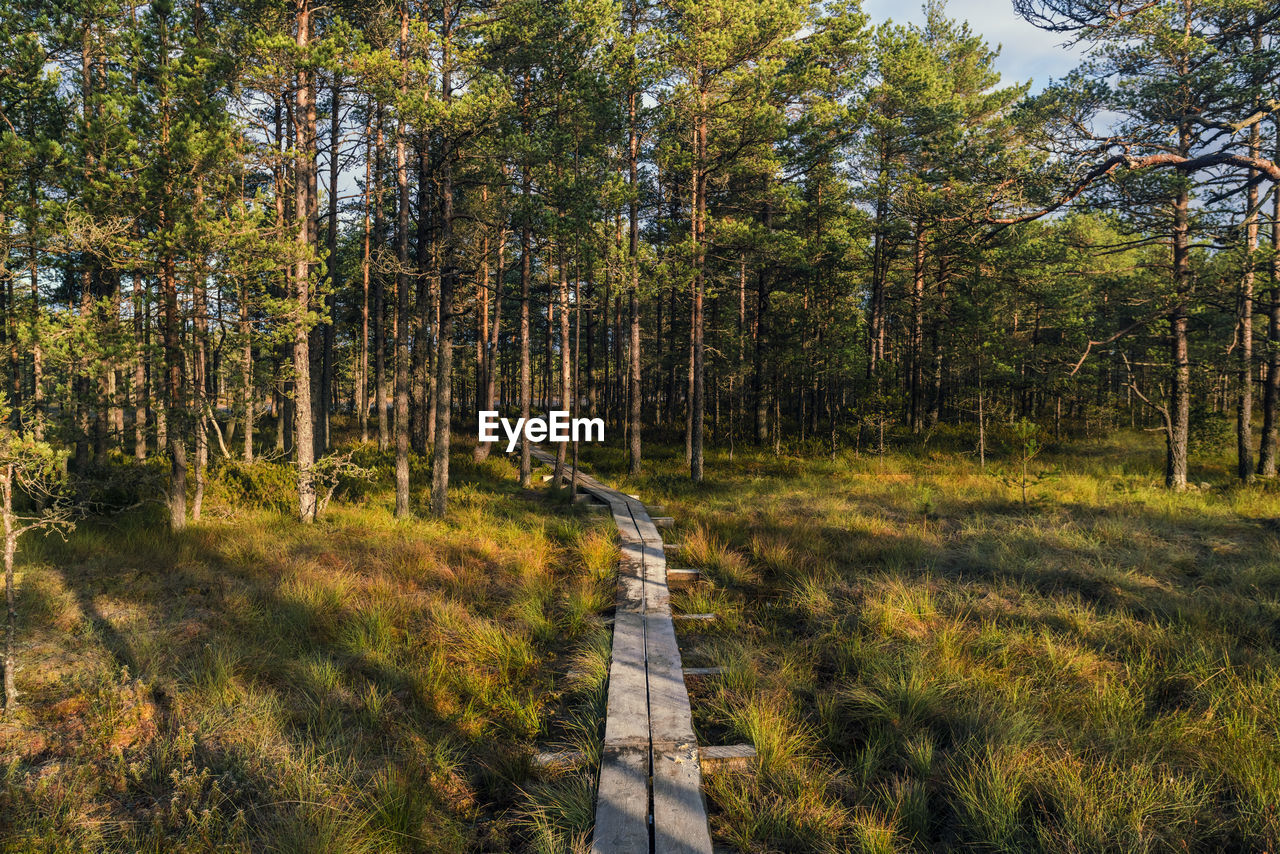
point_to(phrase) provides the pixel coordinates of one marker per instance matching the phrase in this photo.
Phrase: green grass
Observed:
(925, 664)
(364, 684)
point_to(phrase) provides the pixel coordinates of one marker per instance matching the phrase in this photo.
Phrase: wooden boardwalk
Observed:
(649, 797)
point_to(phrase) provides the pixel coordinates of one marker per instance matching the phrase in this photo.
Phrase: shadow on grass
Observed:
(358, 685)
(959, 670)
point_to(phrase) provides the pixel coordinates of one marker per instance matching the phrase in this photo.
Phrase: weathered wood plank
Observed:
(657, 598)
(644, 525)
(648, 725)
(729, 757)
(698, 617)
(663, 521)
(679, 813)
(670, 718)
(622, 803)
(703, 671)
(681, 577)
(627, 714)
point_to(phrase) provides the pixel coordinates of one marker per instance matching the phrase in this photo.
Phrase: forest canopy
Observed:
(226, 224)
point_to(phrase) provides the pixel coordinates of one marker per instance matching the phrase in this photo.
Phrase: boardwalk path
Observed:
(650, 793)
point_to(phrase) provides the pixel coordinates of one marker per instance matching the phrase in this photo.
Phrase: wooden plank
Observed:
(627, 714)
(681, 577)
(622, 803)
(657, 599)
(644, 525)
(626, 525)
(729, 757)
(679, 813)
(650, 787)
(703, 671)
(698, 617)
(672, 549)
(663, 522)
(670, 718)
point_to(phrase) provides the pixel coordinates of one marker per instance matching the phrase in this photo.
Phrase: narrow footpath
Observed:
(649, 797)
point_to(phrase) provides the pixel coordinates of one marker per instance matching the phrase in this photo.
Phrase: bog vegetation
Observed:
(968, 391)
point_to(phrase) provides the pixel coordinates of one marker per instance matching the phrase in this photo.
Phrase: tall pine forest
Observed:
(963, 391)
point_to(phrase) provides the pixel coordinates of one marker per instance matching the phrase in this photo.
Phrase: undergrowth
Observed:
(924, 662)
(360, 685)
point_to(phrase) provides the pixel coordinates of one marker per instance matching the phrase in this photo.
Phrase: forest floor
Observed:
(923, 661)
(926, 663)
(360, 685)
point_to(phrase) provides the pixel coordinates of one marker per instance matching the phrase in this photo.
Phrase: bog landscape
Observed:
(640, 426)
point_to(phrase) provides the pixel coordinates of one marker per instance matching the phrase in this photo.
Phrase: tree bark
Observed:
(304, 444)
(633, 264)
(362, 367)
(402, 284)
(1244, 404)
(1177, 432)
(698, 403)
(563, 297)
(1271, 391)
(448, 286)
(11, 610)
(379, 298)
(246, 372)
(492, 338)
(916, 368)
(426, 299)
(526, 272)
(139, 370)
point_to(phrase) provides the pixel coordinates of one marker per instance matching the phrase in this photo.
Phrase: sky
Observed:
(1027, 52)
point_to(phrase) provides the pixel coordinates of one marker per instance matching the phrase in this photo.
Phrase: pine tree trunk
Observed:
(426, 298)
(1177, 430)
(200, 377)
(1267, 455)
(402, 287)
(11, 610)
(633, 264)
(448, 287)
(563, 299)
(174, 397)
(526, 379)
(37, 353)
(698, 404)
(379, 299)
(760, 339)
(362, 367)
(1244, 404)
(304, 441)
(139, 369)
(916, 368)
(484, 391)
(246, 373)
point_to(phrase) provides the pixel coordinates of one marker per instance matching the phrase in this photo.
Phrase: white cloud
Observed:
(1026, 52)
